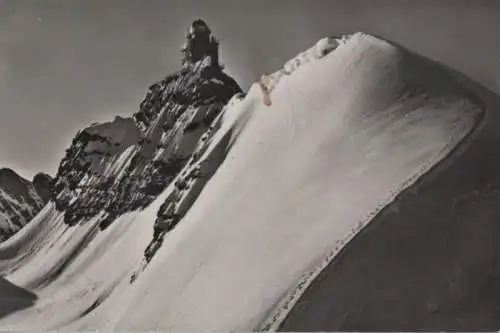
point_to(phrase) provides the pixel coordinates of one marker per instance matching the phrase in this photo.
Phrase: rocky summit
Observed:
(123, 165)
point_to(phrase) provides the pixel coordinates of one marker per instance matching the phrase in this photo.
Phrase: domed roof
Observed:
(199, 26)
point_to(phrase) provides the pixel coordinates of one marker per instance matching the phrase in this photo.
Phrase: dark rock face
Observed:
(125, 164)
(14, 298)
(20, 201)
(43, 186)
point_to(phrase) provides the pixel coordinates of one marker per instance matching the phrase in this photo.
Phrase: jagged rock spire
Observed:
(199, 44)
(123, 165)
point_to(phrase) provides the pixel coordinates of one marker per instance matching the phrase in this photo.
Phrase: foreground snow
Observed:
(295, 182)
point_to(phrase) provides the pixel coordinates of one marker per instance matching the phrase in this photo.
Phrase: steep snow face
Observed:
(269, 197)
(344, 135)
(123, 165)
(429, 260)
(20, 200)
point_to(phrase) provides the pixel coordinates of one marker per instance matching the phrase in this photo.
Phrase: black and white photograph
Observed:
(250, 165)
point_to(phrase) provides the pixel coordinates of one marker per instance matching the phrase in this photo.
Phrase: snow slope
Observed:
(285, 188)
(429, 260)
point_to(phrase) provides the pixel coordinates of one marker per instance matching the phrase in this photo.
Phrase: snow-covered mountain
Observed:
(20, 200)
(124, 164)
(218, 210)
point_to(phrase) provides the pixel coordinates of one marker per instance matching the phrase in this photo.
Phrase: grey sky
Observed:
(65, 64)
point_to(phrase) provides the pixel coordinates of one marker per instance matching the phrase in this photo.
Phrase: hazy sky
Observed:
(65, 64)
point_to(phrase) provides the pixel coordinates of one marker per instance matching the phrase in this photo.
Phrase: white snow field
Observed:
(298, 179)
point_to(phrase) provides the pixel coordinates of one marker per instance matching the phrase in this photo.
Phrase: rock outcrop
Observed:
(43, 186)
(125, 164)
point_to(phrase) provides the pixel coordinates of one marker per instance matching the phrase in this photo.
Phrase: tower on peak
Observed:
(199, 44)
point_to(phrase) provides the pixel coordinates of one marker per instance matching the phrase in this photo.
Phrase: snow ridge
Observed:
(323, 47)
(251, 201)
(370, 116)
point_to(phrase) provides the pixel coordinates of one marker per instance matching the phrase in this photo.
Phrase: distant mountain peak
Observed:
(7, 172)
(20, 200)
